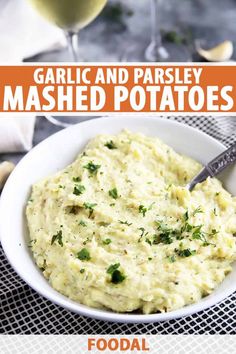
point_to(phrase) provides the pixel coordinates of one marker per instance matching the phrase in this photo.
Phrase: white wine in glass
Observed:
(69, 15)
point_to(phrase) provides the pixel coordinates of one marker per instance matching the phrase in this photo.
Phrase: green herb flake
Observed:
(79, 189)
(165, 234)
(113, 193)
(92, 168)
(76, 179)
(57, 237)
(185, 253)
(31, 243)
(43, 268)
(82, 270)
(125, 223)
(90, 207)
(142, 210)
(172, 258)
(117, 277)
(148, 241)
(86, 241)
(149, 258)
(197, 211)
(112, 268)
(213, 232)
(84, 255)
(110, 145)
(143, 233)
(186, 216)
(83, 223)
(107, 241)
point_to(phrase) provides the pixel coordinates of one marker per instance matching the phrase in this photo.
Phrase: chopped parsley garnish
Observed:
(142, 233)
(78, 189)
(214, 211)
(165, 234)
(57, 237)
(142, 210)
(172, 258)
(76, 179)
(148, 241)
(31, 242)
(83, 223)
(125, 223)
(86, 241)
(185, 253)
(61, 186)
(84, 255)
(43, 268)
(198, 234)
(82, 270)
(110, 145)
(116, 275)
(113, 193)
(112, 268)
(90, 207)
(197, 211)
(186, 216)
(149, 258)
(107, 241)
(92, 168)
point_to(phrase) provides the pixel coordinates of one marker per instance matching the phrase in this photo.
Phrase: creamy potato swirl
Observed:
(117, 229)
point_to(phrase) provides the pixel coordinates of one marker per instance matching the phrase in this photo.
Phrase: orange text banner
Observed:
(91, 88)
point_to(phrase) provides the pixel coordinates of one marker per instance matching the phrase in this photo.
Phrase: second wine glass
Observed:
(157, 50)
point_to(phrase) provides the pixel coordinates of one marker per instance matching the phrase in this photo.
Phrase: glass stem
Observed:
(155, 23)
(72, 40)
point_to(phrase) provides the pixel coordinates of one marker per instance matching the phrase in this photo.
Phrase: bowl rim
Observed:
(83, 310)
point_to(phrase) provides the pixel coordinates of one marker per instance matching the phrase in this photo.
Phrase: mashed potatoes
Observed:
(117, 229)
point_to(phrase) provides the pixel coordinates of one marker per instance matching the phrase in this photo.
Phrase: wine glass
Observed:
(157, 50)
(70, 16)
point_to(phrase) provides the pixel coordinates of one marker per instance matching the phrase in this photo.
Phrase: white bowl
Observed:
(61, 149)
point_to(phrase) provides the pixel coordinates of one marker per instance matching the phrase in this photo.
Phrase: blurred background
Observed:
(120, 25)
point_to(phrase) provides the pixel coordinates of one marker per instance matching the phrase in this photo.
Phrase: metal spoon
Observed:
(214, 167)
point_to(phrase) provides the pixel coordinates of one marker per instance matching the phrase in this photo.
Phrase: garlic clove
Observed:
(222, 52)
(6, 168)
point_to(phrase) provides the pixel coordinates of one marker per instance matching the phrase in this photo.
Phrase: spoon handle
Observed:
(214, 167)
(222, 161)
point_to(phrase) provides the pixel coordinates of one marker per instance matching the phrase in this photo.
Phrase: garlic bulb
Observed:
(222, 52)
(6, 168)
